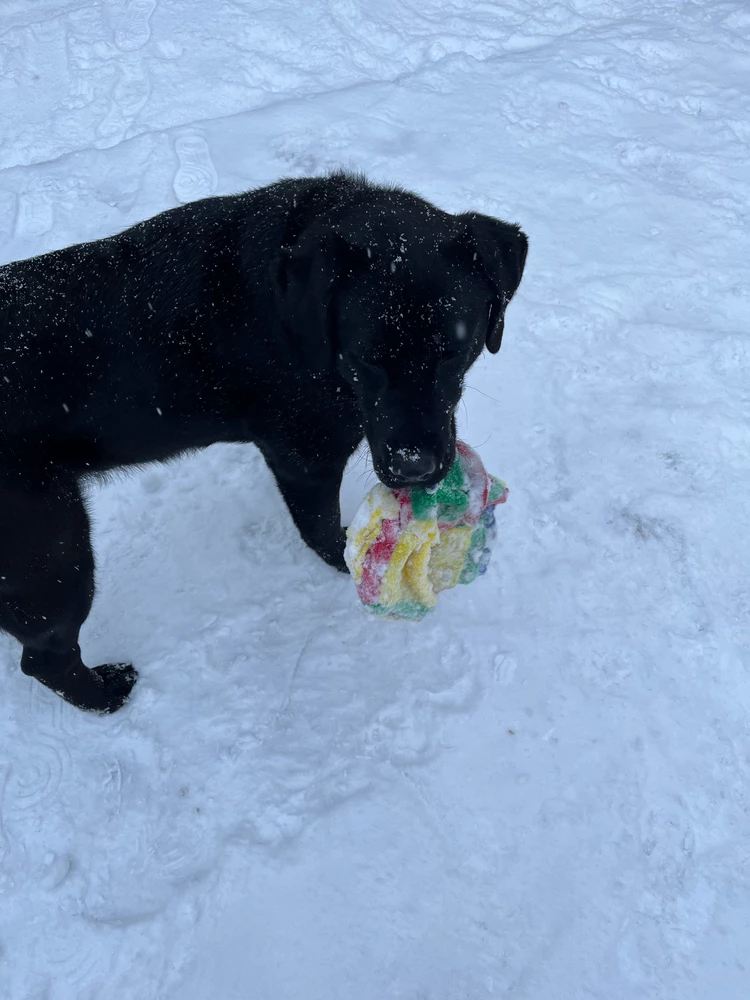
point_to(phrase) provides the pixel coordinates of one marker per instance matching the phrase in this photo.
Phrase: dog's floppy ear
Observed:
(303, 278)
(500, 249)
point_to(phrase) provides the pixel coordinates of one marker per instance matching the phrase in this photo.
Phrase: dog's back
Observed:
(127, 349)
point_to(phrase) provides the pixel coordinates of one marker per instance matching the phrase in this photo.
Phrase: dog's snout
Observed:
(413, 466)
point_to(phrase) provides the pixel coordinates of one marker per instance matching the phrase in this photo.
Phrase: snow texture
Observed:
(543, 790)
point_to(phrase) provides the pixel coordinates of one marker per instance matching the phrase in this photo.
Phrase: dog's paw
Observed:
(117, 680)
(335, 560)
(104, 689)
(334, 555)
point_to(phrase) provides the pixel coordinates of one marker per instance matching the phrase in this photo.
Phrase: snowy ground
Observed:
(543, 791)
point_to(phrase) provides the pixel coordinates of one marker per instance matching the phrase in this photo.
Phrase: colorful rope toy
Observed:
(404, 546)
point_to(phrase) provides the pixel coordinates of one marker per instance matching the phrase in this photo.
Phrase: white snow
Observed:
(543, 790)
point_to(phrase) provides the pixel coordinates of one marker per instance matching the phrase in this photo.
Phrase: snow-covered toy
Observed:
(406, 545)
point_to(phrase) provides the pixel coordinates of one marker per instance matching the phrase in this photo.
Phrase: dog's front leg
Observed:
(311, 492)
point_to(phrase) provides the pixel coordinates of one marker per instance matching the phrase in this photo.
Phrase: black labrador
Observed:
(300, 317)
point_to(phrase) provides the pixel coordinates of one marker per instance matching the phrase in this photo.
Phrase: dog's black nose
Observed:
(413, 465)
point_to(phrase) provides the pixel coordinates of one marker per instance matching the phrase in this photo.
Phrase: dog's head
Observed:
(401, 303)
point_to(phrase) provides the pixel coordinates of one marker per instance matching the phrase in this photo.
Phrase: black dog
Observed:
(300, 317)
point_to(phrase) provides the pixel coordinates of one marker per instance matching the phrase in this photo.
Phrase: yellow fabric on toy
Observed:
(423, 561)
(406, 577)
(446, 559)
(379, 505)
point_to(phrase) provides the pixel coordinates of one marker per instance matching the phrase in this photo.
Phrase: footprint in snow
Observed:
(134, 29)
(196, 176)
(54, 870)
(35, 214)
(36, 773)
(130, 95)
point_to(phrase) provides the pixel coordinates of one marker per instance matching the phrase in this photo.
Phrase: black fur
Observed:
(299, 317)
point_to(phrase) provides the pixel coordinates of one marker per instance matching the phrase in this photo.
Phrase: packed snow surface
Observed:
(543, 790)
